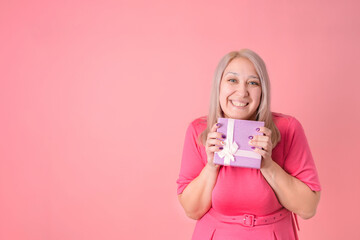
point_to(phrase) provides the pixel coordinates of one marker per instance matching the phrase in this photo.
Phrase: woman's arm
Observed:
(292, 193)
(196, 197)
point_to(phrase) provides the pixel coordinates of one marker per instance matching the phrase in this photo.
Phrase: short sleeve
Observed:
(298, 158)
(191, 162)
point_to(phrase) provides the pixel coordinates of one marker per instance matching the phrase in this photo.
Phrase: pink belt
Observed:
(250, 220)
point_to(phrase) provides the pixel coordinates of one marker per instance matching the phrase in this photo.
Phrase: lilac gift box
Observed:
(237, 151)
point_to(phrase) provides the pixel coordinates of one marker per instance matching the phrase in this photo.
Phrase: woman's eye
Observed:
(232, 80)
(254, 83)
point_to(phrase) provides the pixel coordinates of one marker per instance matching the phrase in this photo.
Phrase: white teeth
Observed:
(239, 104)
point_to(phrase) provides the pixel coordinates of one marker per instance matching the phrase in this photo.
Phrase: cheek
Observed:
(225, 92)
(257, 95)
(222, 98)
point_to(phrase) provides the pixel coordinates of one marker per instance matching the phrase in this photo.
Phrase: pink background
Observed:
(95, 98)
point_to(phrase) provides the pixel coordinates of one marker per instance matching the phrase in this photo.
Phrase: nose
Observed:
(242, 89)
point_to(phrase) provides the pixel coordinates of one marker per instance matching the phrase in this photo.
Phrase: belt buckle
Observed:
(249, 220)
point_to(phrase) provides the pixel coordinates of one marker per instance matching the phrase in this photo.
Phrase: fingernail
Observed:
(251, 137)
(220, 147)
(218, 124)
(257, 129)
(223, 136)
(253, 148)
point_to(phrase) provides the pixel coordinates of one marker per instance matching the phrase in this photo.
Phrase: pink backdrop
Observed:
(95, 98)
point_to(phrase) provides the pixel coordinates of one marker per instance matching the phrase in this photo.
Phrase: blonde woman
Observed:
(244, 203)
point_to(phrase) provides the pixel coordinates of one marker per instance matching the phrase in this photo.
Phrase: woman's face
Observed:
(240, 90)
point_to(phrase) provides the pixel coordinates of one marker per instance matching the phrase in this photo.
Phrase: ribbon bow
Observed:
(230, 147)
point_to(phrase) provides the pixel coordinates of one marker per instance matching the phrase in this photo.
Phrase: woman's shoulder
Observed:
(196, 127)
(282, 118)
(199, 124)
(285, 121)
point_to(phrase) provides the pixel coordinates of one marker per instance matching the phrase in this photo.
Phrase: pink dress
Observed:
(241, 191)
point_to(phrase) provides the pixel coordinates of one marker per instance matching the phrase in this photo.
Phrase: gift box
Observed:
(237, 151)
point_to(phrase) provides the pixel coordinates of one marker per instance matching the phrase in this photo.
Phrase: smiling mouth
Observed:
(239, 104)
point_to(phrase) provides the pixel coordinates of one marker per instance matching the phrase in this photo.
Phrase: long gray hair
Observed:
(263, 111)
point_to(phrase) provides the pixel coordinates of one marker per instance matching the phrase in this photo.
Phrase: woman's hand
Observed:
(214, 143)
(263, 146)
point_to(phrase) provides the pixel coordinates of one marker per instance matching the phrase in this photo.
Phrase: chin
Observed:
(240, 117)
(237, 117)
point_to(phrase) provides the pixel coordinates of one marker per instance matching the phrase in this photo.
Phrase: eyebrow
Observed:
(253, 76)
(236, 74)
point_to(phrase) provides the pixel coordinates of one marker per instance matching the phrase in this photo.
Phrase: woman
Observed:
(243, 203)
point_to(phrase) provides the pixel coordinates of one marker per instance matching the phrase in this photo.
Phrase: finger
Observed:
(217, 135)
(261, 138)
(214, 127)
(215, 148)
(214, 142)
(265, 131)
(260, 151)
(265, 145)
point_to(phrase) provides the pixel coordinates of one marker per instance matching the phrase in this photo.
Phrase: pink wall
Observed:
(95, 98)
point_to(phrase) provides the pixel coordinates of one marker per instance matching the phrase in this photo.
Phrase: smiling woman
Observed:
(240, 90)
(233, 202)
